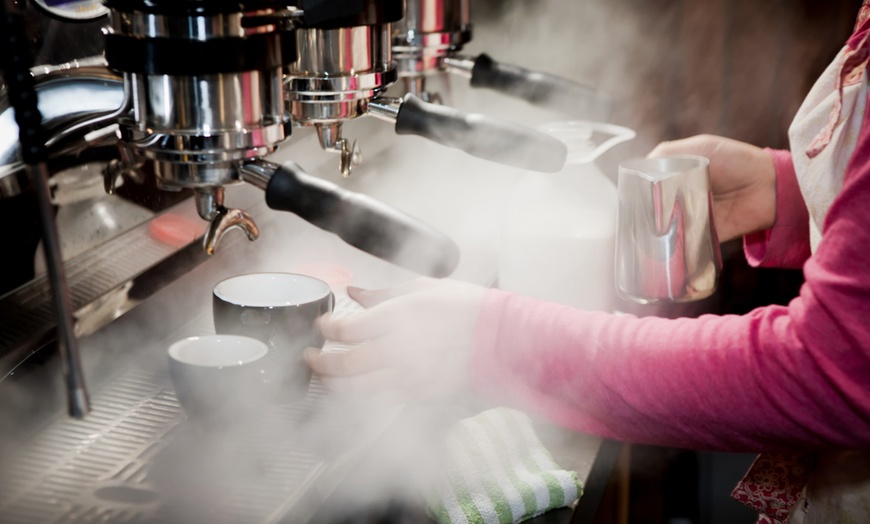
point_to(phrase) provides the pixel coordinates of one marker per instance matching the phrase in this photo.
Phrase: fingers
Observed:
(349, 363)
(357, 327)
(366, 384)
(379, 317)
(695, 145)
(372, 297)
(387, 385)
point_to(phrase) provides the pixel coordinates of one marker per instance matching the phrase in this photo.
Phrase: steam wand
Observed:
(357, 219)
(535, 87)
(16, 62)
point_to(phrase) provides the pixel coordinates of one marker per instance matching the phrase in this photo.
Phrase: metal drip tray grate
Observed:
(136, 459)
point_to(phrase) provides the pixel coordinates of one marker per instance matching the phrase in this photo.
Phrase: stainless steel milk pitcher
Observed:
(666, 247)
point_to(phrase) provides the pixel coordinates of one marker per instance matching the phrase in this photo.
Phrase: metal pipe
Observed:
(78, 403)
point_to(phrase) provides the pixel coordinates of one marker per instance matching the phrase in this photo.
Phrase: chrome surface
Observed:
(385, 108)
(337, 72)
(197, 128)
(117, 170)
(209, 200)
(459, 65)
(78, 404)
(430, 31)
(342, 51)
(207, 104)
(331, 141)
(666, 244)
(227, 219)
(225, 25)
(66, 96)
(175, 175)
(75, 10)
(258, 173)
(13, 182)
(71, 66)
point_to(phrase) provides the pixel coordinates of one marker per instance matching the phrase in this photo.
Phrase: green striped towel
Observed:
(498, 471)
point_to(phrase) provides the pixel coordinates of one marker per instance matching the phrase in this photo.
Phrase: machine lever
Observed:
(478, 135)
(359, 220)
(535, 87)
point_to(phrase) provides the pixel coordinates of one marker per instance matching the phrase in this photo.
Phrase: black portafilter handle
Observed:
(359, 220)
(482, 136)
(541, 89)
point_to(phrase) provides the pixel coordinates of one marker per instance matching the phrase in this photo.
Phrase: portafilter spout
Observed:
(210, 206)
(359, 220)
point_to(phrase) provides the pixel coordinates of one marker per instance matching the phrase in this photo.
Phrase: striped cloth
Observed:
(497, 471)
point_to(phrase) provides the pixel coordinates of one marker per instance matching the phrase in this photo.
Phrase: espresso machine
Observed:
(179, 105)
(193, 96)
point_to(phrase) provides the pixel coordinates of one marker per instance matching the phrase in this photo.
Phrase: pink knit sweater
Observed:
(795, 377)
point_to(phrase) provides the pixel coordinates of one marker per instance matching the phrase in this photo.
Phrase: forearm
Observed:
(745, 383)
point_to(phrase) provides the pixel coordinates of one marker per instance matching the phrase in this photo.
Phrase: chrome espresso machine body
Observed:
(193, 96)
(177, 105)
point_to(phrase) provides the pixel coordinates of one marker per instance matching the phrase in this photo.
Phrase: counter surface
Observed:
(135, 459)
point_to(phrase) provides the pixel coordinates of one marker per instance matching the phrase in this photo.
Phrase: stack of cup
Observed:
(280, 310)
(264, 322)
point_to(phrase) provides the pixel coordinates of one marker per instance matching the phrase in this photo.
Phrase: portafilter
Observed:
(343, 67)
(205, 104)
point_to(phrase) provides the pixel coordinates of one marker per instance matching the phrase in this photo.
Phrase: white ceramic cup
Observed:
(219, 378)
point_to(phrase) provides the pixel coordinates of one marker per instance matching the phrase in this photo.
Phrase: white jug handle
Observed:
(585, 130)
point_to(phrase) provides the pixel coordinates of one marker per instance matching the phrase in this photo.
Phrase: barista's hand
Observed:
(414, 341)
(743, 182)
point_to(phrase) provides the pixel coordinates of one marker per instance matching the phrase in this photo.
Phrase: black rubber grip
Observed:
(540, 89)
(363, 222)
(177, 56)
(191, 7)
(481, 136)
(333, 14)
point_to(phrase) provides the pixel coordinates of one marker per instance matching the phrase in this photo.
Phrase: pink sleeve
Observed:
(787, 243)
(779, 377)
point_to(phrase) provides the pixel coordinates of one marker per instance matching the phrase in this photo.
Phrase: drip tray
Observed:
(137, 459)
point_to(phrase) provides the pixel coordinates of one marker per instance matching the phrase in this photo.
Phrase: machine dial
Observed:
(76, 10)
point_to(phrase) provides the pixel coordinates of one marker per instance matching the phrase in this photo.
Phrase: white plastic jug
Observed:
(558, 239)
